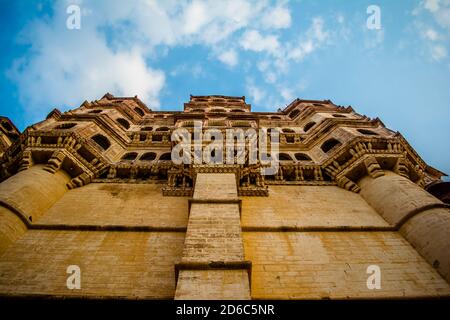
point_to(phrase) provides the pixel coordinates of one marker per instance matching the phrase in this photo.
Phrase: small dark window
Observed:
(95, 111)
(290, 139)
(330, 144)
(287, 130)
(124, 123)
(65, 126)
(339, 116)
(276, 118)
(308, 126)
(149, 156)
(237, 110)
(284, 157)
(197, 110)
(102, 141)
(294, 113)
(166, 156)
(156, 137)
(142, 137)
(130, 156)
(162, 129)
(302, 157)
(367, 132)
(7, 126)
(139, 111)
(147, 129)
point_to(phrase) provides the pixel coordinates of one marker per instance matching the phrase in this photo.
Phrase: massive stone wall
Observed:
(94, 187)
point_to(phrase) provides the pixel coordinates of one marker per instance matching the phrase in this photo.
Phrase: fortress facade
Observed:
(346, 215)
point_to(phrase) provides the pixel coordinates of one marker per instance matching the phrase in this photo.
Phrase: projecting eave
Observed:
(297, 101)
(109, 96)
(435, 172)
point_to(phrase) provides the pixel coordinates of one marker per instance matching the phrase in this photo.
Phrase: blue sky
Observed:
(269, 51)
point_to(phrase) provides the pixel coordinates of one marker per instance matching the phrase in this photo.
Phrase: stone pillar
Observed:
(213, 265)
(24, 197)
(421, 218)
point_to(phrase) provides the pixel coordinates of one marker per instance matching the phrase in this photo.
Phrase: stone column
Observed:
(421, 218)
(213, 265)
(24, 197)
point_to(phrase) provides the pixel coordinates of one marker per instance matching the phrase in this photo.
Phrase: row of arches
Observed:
(299, 156)
(148, 156)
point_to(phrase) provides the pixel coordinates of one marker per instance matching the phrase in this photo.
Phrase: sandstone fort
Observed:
(96, 187)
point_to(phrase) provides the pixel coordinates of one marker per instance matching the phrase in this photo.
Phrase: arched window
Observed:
(7, 126)
(330, 144)
(302, 157)
(367, 132)
(129, 156)
(147, 129)
(162, 129)
(287, 130)
(339, 116)
(294, 113)
(139, 111)
(149, 156)
(124, 123)
(308, 126)
(284, 157)
(166, 156)
(101, 141)
(276, 118)
(65, 126)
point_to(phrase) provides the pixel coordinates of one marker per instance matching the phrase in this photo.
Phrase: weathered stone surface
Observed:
(96, 187)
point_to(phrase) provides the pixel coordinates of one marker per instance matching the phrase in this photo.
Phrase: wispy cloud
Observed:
(229, 57)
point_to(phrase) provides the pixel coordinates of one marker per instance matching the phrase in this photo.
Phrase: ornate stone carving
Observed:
(55, 162)
(373, 167)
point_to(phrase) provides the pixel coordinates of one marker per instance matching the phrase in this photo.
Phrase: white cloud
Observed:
(116, 44)
(431, 34)
(317, 31)
(374, 38)
(229, 57)
(195, 70)
(254, 41)
(277, 18)
(438, 52)
(435, 33)
(119, 43)
(195, 17)
(431, 5)
(256, 94)
(440, 10)
(69, 66)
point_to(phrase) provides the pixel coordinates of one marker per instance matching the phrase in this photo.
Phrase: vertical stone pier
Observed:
(213, 265)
